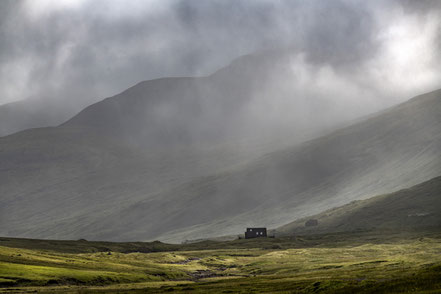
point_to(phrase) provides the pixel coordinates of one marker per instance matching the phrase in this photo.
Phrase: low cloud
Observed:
(80, 52)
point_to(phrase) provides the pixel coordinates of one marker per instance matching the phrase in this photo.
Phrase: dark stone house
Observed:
(255, 233)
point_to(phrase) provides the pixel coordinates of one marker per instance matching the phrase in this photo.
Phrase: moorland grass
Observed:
(392, 264)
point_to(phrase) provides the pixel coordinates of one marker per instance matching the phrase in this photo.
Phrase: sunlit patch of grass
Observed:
(40, 275)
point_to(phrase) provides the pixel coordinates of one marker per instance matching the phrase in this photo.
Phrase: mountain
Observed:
(155, 136)
(394, 149)
(233, 104)
(181, 158)
(415, 207)
(36, 113)
(21, 115)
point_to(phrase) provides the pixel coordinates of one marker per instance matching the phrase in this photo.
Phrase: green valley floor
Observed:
(357, 262)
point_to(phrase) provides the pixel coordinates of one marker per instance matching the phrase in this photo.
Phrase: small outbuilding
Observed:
(255, 233)
(311, 223)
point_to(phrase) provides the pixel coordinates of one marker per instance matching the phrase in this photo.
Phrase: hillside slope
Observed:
(416, 207)
(398, 148)
(58, 181)
(256, 98)
(149, 164)
(32, 113)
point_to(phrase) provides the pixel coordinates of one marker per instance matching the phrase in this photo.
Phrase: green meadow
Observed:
(363, 262)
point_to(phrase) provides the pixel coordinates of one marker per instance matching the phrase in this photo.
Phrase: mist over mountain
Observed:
(395, 149)
(32, 114)
(257, 97)
(214, 146)
(75, 181)
(248, 113)
(57, 58)
(154, 136)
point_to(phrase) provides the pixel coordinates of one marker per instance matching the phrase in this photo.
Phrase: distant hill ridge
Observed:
(414, 207)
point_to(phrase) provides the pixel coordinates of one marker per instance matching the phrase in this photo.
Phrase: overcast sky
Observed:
(83, 51)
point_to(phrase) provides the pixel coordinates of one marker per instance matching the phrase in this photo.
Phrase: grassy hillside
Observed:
(341, 263)
(415, 207)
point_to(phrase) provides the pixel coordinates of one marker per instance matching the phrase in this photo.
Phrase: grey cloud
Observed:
(421, 6)
(85, 54)
(341, 34)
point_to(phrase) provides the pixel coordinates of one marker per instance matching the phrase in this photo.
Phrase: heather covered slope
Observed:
(417, 207)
